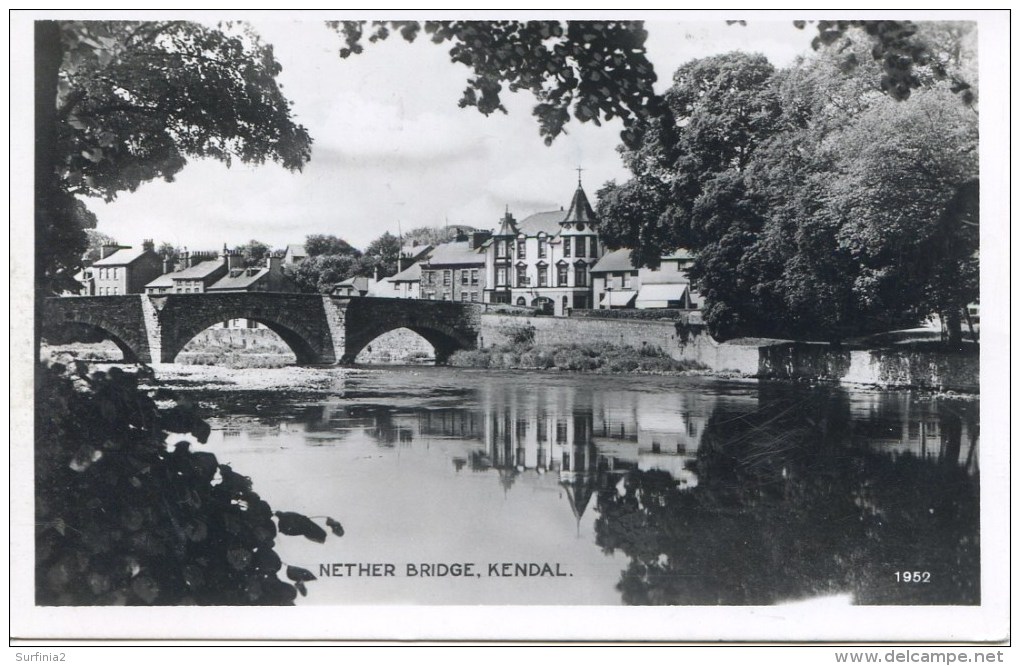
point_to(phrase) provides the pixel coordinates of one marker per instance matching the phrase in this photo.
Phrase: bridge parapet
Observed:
(319, 329)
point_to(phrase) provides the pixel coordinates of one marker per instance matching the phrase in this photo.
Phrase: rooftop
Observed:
(199, 270)
(122, 257)
(410, 274)
(549, 222)
(240, 278)
(456, 254)
(614, 261)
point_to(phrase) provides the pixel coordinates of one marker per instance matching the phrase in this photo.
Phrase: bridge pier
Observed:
(318, 329)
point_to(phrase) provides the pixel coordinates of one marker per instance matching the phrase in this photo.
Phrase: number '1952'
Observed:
(913, 577)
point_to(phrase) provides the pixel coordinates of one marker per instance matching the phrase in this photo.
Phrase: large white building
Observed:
(546, 259)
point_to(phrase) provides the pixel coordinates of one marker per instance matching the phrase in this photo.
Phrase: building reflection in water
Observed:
(721, 494)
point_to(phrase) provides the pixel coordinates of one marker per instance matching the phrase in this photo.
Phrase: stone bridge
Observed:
(319, 329)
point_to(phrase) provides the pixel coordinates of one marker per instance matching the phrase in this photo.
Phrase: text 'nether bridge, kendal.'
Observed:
(317, 328)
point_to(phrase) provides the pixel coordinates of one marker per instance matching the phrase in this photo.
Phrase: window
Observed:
(626, 280)
(580, 276)
(522, 276)
(501, 248)
(561, 276)
(474, 276)
(474, 296)
(464, 276)
(543, 276)
(116, 291)
(522, 248)
(579, 246)
(463, 296)
(447, 277)
(594, 247)
(566, 246)
(566, 304)
(521, 301)
(541, 248)
(501, 277)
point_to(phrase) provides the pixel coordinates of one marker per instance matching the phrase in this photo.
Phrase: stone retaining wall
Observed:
(778, 360)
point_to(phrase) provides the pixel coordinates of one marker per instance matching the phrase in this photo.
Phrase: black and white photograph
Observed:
(510, 326)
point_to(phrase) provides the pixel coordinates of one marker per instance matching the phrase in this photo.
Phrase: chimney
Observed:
(168, 267)
(478, 238)
(234, 259)
(273, 262)
(107, 249)
(148, 245)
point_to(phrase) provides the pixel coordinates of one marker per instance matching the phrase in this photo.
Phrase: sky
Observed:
(392, 150)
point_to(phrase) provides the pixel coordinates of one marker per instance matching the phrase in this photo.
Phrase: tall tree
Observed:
(385, 252)
(120, 103)
(805, 226)
(328, 244)
(254, 252)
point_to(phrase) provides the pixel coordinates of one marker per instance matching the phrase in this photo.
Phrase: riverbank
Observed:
(597, 357)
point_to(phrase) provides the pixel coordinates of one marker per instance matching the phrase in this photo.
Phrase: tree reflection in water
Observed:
(791, 502)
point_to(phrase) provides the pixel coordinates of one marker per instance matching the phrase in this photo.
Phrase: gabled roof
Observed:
(414, 251)
(358, 282)
(615, 261)
(164, 280)
(200, 270)
(122, 257)
(507, 226)
(410, 274)
(580, 210)
(240, 279)
(456, 254)
(297, 250)
(549, 222)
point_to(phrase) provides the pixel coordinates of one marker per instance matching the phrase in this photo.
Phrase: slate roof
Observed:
(456, 254)
(239, 279)
(410, 274)
(549, 222)
(297, 250)
(414, 251)
(199, 270)
(358, 282)
(615, 261)
(164, 280)
(122, 257)
(580, 210)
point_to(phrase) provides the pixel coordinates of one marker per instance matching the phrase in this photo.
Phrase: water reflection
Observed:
(702, 492)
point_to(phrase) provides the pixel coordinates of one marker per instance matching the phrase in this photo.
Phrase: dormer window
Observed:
(522, 247)
(542, 251)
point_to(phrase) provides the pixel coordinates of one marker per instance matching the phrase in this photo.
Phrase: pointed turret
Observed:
(507, 225)
(580, 210)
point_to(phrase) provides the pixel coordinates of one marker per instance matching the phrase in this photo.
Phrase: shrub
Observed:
(122, 519)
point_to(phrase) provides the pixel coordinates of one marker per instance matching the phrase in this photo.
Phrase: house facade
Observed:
(617, 284)
(197, 271)
(269, 277)
(124, 270)
(455, 271)
(546, 259)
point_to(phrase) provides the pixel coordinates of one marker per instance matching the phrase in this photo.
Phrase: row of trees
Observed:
(819, 206)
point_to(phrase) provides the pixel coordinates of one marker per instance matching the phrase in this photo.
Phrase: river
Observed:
(559, 488)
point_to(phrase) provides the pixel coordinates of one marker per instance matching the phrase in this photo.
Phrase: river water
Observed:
(583, 489)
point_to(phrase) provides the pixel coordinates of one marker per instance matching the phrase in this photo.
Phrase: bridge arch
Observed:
(447, 326)
(444, 339)
(134, 350)
(294, 334)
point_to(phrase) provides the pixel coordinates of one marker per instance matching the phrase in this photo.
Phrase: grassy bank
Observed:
(577, 357)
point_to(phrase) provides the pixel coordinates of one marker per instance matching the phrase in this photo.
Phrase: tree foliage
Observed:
(328, 244)
(254, 252)
(804, 225)
(120, 103)
(96, 241)
(121, 519)
(384, 252)
(591, 70)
